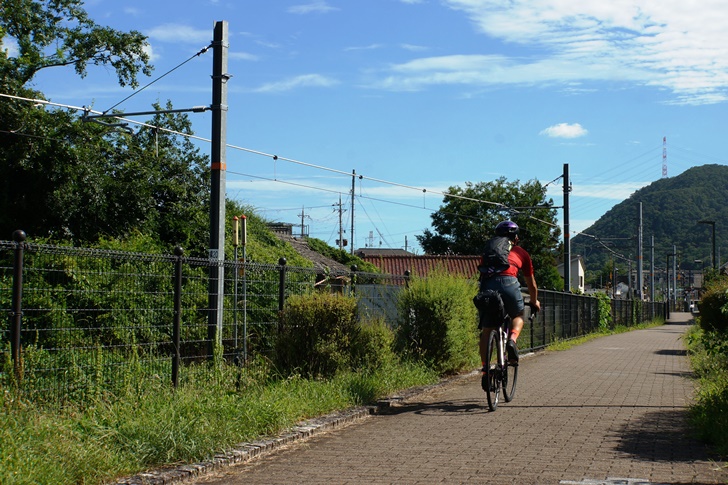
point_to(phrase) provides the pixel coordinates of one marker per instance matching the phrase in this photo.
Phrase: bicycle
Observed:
(500, 374)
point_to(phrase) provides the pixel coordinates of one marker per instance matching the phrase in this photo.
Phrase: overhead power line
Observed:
(199, 53)
(275, 157)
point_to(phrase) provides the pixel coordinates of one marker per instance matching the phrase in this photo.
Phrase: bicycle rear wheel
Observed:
(491, 380)
(509, 381)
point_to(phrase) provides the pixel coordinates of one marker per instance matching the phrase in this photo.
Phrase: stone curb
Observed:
(245, 452)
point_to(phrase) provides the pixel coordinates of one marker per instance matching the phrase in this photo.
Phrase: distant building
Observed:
(281, 228)
(577, 271)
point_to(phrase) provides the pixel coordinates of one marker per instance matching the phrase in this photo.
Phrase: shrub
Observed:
(372, 346)
(714, 306)
(604, 310)
(316, 334)
(438, 322)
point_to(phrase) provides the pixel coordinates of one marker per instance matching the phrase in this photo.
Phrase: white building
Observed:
(577, 272)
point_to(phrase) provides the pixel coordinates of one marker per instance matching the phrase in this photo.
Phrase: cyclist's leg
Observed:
(513, 302)
(483, 345)
(516, 327)
(484, 325)
(511, 347)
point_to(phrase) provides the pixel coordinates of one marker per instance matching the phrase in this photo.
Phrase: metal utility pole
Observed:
(303, 217)
(341, 227)
(713, 261)
(567, 239)
(652, 269)
(218, 166)
(674, 276)
(640, 275)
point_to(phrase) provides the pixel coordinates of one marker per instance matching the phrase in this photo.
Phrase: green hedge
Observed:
(321, 334)
(438, 322)
(714, 306)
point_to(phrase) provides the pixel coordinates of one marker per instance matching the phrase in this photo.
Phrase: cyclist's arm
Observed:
(533, 292)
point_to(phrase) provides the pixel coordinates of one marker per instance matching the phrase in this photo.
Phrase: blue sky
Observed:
(420, 95)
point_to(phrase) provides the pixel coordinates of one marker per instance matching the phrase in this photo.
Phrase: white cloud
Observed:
(150, 52)
(668, 44)
(369, 47)
(492, 69)
(413, 48)
(10, 46)
(565, 130)
(317, 6)
(616, 191)
(178, 33)
(242, 56)
(303, 81)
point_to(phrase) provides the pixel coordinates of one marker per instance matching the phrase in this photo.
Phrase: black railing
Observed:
(83, 319)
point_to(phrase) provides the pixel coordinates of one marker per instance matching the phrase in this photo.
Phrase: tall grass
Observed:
(149, 424)
(708, 352)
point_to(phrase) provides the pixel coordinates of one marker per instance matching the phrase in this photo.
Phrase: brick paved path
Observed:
(613, 408)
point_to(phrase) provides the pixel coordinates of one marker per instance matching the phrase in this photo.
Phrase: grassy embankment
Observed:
(152, 425)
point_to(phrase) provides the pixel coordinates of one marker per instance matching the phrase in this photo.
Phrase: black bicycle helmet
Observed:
(508, 229)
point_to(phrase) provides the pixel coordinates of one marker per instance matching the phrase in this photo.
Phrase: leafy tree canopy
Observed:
(52, 33)
(468, 215)
(64, 179)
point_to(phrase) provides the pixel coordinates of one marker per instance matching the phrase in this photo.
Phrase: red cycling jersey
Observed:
(519, 260)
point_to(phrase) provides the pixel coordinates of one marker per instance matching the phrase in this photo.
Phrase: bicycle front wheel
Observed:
(492, 376)
(509, 381)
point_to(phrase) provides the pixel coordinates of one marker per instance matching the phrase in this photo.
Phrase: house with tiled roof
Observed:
(423, 265)
(366, 252)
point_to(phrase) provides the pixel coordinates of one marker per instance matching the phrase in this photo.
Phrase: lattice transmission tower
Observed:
(664, 157)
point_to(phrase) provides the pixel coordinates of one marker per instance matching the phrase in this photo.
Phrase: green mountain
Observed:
(671, 209)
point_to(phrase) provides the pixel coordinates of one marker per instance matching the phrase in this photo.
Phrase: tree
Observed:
(65, 179)
(53, 33)
(52, 166)
(468, 215)
(159, 183)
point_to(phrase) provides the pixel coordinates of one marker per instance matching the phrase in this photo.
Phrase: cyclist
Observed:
(506, 283)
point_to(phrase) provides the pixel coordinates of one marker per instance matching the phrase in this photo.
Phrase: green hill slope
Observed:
(671, 209)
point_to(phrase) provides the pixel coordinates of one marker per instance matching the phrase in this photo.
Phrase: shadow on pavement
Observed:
(662, 436)
(443, 408)
(676, 352)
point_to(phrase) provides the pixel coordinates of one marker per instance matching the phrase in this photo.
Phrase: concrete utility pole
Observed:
(218, 166)
(353, 187)
(567, 238)
(652, 269)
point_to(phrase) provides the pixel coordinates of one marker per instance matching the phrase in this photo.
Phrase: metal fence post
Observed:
(532, 329)
(354, 269)
(281, 283)
(177, 357)
(16, 315)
